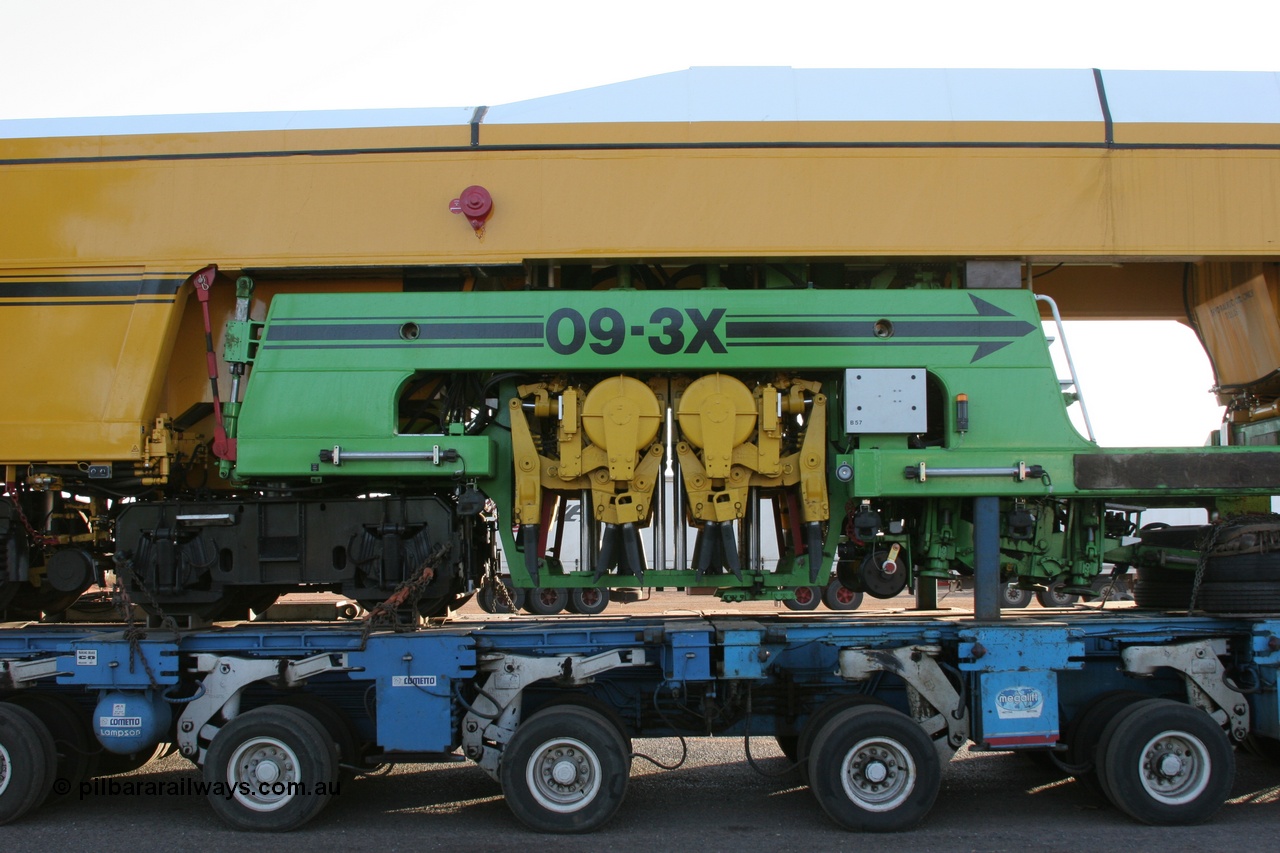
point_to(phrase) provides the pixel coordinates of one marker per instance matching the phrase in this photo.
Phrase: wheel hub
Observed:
(1175, 767)
(4, 769)
(564, 775)
(261, 771)
(879, 774)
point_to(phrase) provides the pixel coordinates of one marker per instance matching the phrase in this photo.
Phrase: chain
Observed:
(39, 538)
(384, 612)
(134, 633)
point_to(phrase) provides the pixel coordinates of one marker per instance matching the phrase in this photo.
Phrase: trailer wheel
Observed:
(839, 597)
(76, 748)
(336, 724)
(1011, 597)
(1264, 747)
(1166, 763)
(807, 598)
(1085, 731)
(27, 762)
(1054, 596)
(546, 601)
(113, 764)
(271, 769)
(874, 770)
(564, 770)
(588, 601)
(819, 718)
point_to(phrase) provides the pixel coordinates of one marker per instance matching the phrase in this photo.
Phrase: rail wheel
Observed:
(819, 718)
(1012, 598)
(28, 762)
(807, 598)
(1166, 763)
(1055, 596)
(76, 748)
(271, 769)
(491, 598)
(546, 601)
(839, 597)
(565, 770)
(874, 770)
(588, 601)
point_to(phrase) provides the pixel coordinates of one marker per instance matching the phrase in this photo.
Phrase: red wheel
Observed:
(840, 597)
(807, 598)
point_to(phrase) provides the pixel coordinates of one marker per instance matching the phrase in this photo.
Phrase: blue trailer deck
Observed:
(1150, 704)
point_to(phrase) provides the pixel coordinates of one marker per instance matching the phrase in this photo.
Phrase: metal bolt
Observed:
(225, 668)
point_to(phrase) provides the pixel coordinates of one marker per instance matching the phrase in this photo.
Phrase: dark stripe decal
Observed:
(389, 332)
(653, 146)
(55, 289)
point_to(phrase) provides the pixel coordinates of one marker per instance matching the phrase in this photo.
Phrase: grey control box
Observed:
(885, 400)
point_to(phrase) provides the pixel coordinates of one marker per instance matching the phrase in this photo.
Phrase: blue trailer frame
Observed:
(1149, 703)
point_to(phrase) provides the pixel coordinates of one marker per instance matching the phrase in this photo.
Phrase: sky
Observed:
(134, 57)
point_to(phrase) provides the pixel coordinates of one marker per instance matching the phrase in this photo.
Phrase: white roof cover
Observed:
(784, 94)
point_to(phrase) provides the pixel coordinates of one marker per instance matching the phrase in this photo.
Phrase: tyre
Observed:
(337, 725)
(492, 600)
(564, 770)
(112, 764)
(1162, 595)
(1238, 597)
(271, 769)
(1166, 763)
(1054, 596)
(76, 747)
(28, 762)
(1264, 747)
(819, 718)
(790, 746)
(837, 596)
(589, 601)
(545, 601)
(807, 598)
(1084, 732)
(874, 770)
(1011, 597)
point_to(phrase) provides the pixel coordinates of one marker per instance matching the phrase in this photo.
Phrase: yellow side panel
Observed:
(85, 362)
(394, 209)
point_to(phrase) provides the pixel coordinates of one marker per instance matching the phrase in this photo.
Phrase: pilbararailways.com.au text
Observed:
(193, 786)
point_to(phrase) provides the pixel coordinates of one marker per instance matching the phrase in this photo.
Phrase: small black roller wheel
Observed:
(546, 601)
(839, 597)
(1166, 763)
(564, 770)
(1055, 596)
(75, 744)
(873, 769)
(1013, 598)
(28, 762)
(271, 769)
(819, 718)
(806, 598)
(589, 601)
(492, 599)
